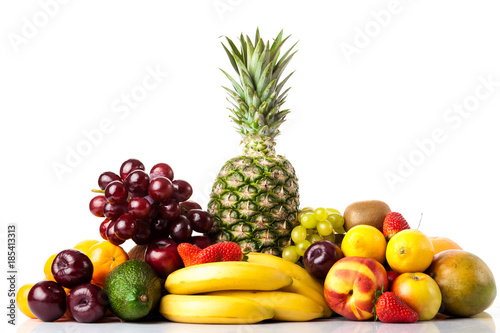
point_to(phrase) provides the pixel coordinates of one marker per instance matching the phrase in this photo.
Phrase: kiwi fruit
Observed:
(370, 212)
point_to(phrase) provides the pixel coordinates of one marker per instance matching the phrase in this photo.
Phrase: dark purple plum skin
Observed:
(320, 257)
(71, 268)
(87, 303)
(47, 300)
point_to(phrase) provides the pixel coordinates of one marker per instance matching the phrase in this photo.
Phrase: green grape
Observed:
(324, 228)
(340, 230)
(301, 247)
(313, 238)
(311, 232)
(299, 216)
(336, 220)
(332, 210)
(308, 221)
(290, 254)
(299, 233)
(307, 209)
(330, 237)
(320, 214)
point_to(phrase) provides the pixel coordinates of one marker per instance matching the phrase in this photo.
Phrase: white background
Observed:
(353, 118)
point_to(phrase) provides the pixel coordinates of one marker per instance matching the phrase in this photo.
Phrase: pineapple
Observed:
(255, 198)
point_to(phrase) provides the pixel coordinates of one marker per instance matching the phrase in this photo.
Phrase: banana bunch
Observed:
(238, 292)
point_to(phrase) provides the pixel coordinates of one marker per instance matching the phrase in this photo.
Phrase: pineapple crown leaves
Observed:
(258, 97)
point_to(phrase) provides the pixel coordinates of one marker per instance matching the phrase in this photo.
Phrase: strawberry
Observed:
(390, 308)
(188, 253)
(226, 251)
(193, 255)
(394, 223)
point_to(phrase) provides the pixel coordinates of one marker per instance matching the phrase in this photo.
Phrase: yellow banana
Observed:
(226, 275)
(294, 270)
(286, 306)
(205, 309)
(301, 288)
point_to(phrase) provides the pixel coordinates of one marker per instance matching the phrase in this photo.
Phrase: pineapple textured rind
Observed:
(255, 199)
(255, 202)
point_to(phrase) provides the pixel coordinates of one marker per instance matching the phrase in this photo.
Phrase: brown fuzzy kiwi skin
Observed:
(138, 252)
(370, 212)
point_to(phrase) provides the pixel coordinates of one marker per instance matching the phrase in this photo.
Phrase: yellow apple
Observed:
(420, 292)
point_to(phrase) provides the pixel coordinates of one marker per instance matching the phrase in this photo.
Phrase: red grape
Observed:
(201, 221)
(139, 207)
(137, 182)
(186, 206)
(110, 233)
(159, 227)
(160, 188)
(125, 226)
(200, 241)
(143, 233)
(103, 227)
(113, 212)
(180, 229)
(116, 192)
(170, 209)
(96, 205)
(162, 169)
(182, 190)
(107, 177)
(130, 165)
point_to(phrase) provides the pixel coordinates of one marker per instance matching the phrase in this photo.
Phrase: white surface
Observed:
(483, 323)
(351, 122)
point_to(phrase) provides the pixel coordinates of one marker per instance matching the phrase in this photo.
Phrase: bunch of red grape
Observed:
(144, 207)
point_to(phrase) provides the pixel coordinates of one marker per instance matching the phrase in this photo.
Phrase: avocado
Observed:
(133, 289)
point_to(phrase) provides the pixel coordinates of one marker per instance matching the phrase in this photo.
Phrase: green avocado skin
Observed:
(133, 289)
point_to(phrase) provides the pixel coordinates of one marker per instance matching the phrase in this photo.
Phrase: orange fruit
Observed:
(85, 245)
(47, 268)
(442, 244)
(22, 300)
(409, 251)
(105, 256)
(364, 241)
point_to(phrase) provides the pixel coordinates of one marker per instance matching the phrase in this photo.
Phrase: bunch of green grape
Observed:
(315, 225)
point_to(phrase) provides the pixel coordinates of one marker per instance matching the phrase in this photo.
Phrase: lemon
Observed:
(364, 241)
(85, 245)
(47, 268)
(409, 251)
(22, 300)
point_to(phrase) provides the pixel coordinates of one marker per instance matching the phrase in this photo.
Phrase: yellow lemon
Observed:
(22, 300)
(85, 245)
(47, 268)
(364, 241)
(409, 251)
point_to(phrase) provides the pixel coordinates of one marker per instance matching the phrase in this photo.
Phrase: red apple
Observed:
(350, 286)
(420, 292)
(163, 257)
